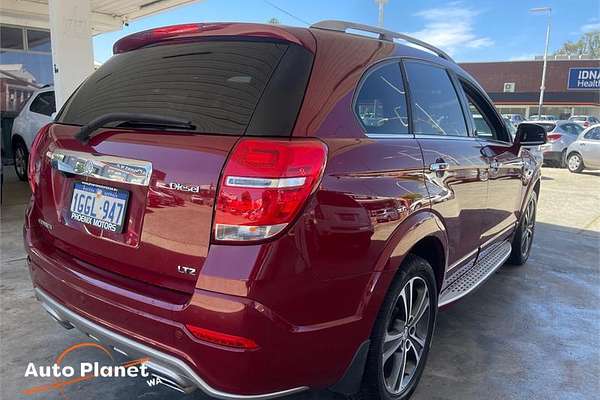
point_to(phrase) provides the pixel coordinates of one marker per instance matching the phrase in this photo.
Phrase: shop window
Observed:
(38, 40)
(11, 38)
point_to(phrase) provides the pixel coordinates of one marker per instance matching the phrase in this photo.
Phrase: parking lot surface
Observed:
(530, 332)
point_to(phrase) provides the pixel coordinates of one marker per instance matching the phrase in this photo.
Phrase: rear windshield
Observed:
(547, 127)
(217, 85)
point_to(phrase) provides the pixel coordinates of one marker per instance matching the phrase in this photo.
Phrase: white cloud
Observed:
(451, 28)
(592, 26)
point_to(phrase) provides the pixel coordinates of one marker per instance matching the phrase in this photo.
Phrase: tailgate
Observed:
(167, 183)
(137, 200)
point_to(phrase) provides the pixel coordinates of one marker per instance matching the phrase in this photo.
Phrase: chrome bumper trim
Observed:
(163, 364)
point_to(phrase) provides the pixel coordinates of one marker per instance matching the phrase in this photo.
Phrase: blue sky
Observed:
(469, 30)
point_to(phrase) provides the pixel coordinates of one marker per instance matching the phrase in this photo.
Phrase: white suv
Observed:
(584, 120)
(36, 113)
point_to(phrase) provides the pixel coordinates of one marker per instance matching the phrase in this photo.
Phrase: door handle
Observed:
(437, 167)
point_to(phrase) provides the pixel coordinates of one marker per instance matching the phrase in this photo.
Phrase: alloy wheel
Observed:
(574, 162)
(528, 227)
(20, 161)
(406, 336)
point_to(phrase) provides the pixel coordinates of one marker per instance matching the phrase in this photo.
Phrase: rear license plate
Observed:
(100, 206)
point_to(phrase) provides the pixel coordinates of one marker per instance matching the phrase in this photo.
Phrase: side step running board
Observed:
(478, 274)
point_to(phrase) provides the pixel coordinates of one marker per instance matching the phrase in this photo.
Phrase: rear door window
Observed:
(217, 85)
(381, 102)
(436, 109)
(43, 104)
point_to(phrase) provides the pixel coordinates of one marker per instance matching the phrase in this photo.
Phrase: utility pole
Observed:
(543, 86)
(381, 3)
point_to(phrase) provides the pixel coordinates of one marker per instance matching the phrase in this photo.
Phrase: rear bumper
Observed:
(179, 375)
(145, 322)
(550, 155)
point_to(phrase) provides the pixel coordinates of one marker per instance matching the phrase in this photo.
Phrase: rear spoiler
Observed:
(187, 31)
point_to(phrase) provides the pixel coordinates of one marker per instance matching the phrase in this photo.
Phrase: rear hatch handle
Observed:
(132, 119)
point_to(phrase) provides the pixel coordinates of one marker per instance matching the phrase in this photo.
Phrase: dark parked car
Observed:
(297, 129)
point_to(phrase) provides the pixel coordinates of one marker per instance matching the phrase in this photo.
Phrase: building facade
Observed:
(572, 86)
(25, 64)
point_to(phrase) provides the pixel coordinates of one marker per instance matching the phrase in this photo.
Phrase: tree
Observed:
(588, 44)
(274, 21)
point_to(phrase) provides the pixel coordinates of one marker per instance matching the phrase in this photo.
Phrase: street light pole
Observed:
(543, 85)
(381, 3)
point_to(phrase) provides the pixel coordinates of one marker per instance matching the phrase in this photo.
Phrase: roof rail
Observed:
(384, 34)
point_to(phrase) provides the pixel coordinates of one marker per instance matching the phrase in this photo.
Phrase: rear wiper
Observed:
(147, 120)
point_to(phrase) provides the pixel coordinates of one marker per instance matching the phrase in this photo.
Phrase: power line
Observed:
(287, 12)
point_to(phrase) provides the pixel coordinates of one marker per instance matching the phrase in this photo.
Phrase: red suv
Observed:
(263, 209)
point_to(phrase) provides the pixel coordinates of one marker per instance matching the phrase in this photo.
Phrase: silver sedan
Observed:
(585, 151)
(560, 135)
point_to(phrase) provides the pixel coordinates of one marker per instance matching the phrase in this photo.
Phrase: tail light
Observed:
(586, 124)
(265, 183)
(553, 137)
(35, 161)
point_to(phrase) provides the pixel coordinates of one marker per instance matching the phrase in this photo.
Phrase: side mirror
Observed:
(530, 135)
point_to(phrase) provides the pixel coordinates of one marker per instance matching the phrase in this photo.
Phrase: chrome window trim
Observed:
(444, 137)
(104, 167)
(390, 135)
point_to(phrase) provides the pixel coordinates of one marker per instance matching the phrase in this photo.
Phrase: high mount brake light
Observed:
(143, 38)
(265, 183)
(35, 160)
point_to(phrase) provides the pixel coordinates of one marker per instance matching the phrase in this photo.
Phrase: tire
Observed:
(575, 163)
(391, 333)
(523, 238)
(21, 155)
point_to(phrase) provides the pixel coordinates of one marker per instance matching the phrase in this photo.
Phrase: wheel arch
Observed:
(570, 153)
(432, 250)
(17, 138)
(422, 234)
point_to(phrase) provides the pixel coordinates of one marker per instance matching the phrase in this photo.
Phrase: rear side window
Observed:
(593, 134)
(217, 85)
(43, 104)
(572, 129)
(436, 109)
(381, 102)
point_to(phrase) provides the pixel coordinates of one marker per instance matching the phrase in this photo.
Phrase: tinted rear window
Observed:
(217, 85)
(547, 127)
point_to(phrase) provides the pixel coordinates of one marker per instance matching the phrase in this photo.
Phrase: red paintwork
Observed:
(312, 293)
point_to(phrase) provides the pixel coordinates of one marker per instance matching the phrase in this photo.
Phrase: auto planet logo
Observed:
(66, 375)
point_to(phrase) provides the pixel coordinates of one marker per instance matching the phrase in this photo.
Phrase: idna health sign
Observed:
(584, 78)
